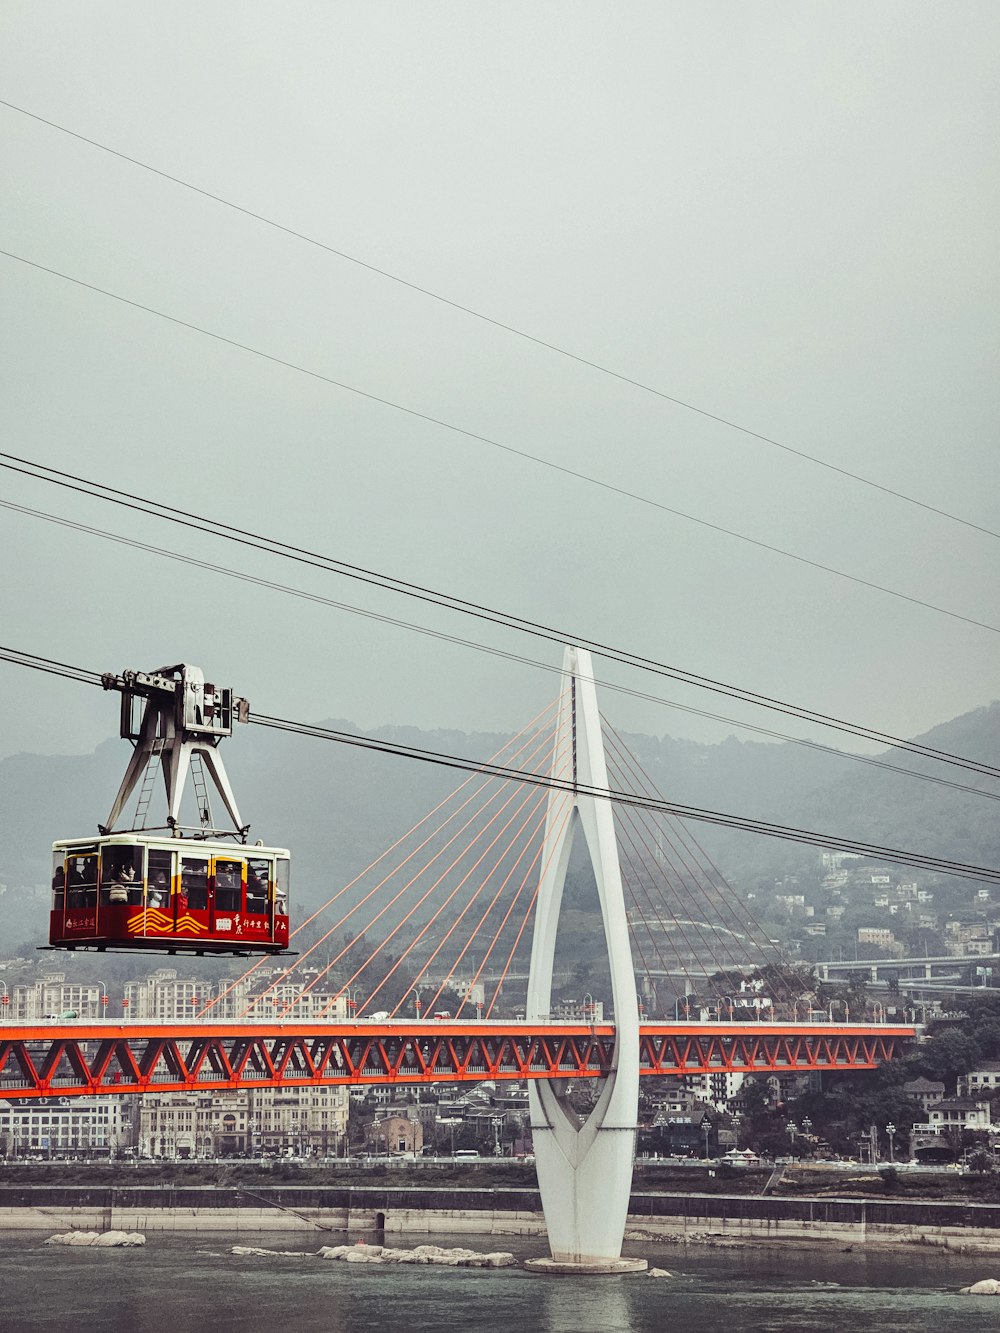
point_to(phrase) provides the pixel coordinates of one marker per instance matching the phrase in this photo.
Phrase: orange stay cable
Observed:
(544, 854)
(495, 758)
(483, 786)
(527, 914)
(630, 829)
(557, 750)
(735, 910)
(500, 784)
(529, 843)
(526, 798)
(627, 820)
(422, 899)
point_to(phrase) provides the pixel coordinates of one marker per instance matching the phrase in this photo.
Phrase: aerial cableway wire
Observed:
(677, 843)
(447, 601)
(513, 747)
(591, 364)
(788, 833)
(508, 656)
(637, 496)
(454, 848)
(625, 798)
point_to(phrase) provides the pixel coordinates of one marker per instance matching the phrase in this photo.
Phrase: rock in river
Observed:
(98, 1239)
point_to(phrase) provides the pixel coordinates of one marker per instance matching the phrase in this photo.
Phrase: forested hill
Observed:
(883, 807)
(338, 807)
(793, 785)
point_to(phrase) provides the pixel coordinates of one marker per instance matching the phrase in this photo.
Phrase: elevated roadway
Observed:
(906, 969)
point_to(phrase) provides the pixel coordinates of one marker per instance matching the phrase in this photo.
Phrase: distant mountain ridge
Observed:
(338, 807)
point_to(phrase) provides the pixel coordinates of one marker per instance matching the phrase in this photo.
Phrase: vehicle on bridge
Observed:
(171, 888)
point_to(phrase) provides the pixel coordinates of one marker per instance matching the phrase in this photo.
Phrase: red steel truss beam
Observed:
(105, 1058)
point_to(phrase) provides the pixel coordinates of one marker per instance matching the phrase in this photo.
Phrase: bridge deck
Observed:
(107, 1058)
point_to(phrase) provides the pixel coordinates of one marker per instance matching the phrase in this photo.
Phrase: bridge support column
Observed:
(584, 1168)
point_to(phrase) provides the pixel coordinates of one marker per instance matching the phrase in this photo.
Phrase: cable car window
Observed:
(228, 885)
(81, 883)
(58, 881)
(160, 872)
(258, 874)
(281, 891)
(121, 875)
(194, 884)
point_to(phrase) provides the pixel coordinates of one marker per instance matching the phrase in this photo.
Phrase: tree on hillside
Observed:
(947, 1055)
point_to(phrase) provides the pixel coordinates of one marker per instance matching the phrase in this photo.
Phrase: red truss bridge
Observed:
(75, 1060)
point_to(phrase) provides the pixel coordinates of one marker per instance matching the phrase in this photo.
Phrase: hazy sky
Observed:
(785, 213)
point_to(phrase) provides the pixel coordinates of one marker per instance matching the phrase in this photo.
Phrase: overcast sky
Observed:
(783, 213)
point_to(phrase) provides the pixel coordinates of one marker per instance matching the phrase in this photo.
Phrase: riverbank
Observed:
(367, 1211)
(797, 1180)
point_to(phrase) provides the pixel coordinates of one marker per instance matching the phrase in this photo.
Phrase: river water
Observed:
(181, 1282)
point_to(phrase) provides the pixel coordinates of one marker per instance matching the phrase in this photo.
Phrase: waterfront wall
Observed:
(359, 1211)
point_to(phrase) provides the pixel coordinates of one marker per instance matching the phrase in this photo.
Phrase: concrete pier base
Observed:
(596, 1268)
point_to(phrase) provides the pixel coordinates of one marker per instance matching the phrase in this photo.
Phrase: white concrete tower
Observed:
(584, 1169)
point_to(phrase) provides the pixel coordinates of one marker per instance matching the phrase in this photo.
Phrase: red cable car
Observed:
(171, 889)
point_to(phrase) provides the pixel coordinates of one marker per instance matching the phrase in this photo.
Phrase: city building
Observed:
(181, 1125)
(880, 937)
(52, 996)
(716, 1087)
(958, 1113)
(395, 1134)
(924, 1092)
(586, 1010)
(984, 1078)
(165, 997)
(299, 1122)
(279, 1122)
(55, 1127)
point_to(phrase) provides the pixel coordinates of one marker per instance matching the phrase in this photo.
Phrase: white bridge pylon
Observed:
(584, 1169)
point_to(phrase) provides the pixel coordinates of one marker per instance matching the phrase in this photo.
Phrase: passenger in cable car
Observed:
(194, 884)
(120, 882)
(256, 891)
(118, 893)
(82, 882)
(128, 886)
(228, 883)
(158, 890)
(135, 888)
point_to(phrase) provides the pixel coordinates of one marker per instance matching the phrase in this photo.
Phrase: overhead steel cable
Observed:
(525, 738)
(439, 758)
(414, 413)
(49, 665)
(379, 862)
(499, 803)
(711, 882)
(529, 803)
(447, 601)
(942, 865)
(491, 320)
(634, 775)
